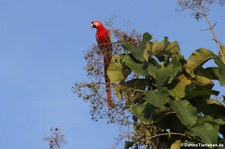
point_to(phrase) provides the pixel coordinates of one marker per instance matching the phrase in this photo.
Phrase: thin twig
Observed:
(209, 28)
(167, 134)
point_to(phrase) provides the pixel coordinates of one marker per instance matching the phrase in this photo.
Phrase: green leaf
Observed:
(114, 71)
(157, 47)
(219, 121)
(128, 144)
(146, 37)
(204, 76)
(208, 108)
(178, 92)
(223, 49)
(173, 49)
(209, 72)
(203, 81)
(175, 145)
(128, 46)
(216, 102)
(193, 91)
(142, 112)
(163, 50)
(137, 52)
(209, 119)
(174, 67)
(207, 132)
(197, 59)
(152, 70)
(156, 98)
(222, 53)
(147, 51)
(162, 77)
(138, 68)
(221, 72)
(164, 47)
(186, 113)
(165, 75)
(136, 84)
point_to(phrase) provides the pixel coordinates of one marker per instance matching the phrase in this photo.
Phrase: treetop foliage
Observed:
(165, 97)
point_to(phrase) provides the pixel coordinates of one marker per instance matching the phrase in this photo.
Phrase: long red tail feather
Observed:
(107, 84)
(107, 59)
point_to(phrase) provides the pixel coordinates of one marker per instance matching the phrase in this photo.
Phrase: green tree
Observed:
(167, 99)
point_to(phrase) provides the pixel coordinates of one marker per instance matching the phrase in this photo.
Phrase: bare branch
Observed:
(209, 28)
(56, 139)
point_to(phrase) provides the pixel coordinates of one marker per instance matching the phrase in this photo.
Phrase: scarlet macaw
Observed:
(104, 41)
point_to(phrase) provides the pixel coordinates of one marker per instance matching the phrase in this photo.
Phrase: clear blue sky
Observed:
(42, 43)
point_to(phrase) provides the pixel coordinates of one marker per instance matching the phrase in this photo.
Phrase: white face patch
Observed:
(95, 23)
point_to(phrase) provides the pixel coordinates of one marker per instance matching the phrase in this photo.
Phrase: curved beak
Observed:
(92, 25)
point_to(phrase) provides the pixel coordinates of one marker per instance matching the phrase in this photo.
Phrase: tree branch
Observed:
(167, 134)
(211, 28)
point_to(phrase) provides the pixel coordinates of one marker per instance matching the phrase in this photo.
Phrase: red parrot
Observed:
(104, 40)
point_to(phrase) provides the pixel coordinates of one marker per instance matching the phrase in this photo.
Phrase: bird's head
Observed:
(96, 24)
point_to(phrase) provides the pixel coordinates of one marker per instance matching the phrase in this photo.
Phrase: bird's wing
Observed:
(109, 36)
